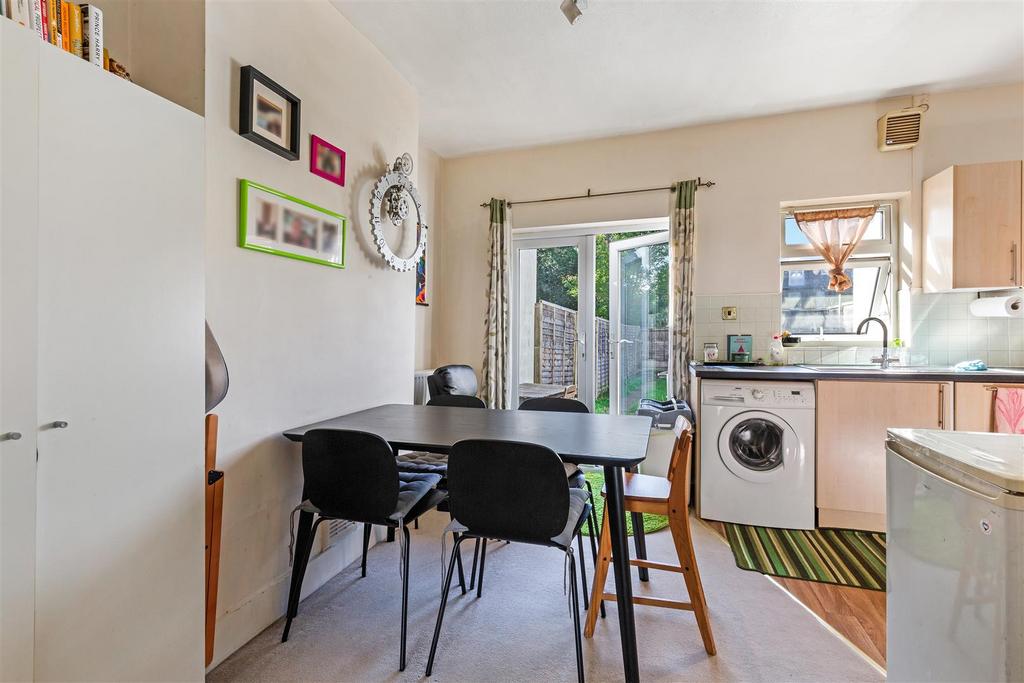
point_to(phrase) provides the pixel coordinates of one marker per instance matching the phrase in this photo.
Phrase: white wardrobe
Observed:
(101, 374)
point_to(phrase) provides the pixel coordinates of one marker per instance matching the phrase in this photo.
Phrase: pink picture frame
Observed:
(326, 160)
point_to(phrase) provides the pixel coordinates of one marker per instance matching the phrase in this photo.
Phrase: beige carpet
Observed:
(521, 629)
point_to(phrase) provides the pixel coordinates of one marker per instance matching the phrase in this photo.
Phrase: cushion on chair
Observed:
(412, 486)
(421, 461)
(578, 508)
(453, 379)
(571, 470)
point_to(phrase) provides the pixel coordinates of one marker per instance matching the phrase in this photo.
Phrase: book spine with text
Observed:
(75, 21)
(92, 34)
(50, 7)
(65, 25)
(40, 20)
(37, 18)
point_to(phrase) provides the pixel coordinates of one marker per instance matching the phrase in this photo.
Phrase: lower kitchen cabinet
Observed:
(974, 405)
(852, 419)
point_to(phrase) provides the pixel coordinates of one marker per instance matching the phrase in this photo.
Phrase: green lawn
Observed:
(633, 385)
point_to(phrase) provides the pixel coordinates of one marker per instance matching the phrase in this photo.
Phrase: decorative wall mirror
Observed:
(394, 197)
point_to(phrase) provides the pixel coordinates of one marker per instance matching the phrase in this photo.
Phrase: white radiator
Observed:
(420, 394)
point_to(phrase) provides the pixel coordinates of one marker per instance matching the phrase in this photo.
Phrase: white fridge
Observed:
(955, 556)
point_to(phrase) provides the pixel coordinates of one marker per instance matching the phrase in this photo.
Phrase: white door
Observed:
(19, 205)
(119, 569)
(552, 318)
(638, 336)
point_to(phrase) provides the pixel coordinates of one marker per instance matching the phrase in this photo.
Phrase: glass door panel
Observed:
(547, 328)
(638, 334)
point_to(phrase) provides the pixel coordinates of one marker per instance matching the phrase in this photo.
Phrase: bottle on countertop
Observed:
(776, 351)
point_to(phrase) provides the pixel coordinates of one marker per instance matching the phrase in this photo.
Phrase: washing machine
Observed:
(757, 453)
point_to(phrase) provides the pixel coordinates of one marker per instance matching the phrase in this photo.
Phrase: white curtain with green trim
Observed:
(494, 389)
(680, 245)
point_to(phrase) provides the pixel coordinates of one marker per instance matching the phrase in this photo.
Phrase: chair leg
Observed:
(444, 603)
(405, 596)
(604, 558)
(679, 524)
(483, 560)
(303, 546)
(574, 599)
(583, 571)
(366, 544)
(462, 574)
(594, 533)
(640, 543)
(391, 535)
(476, 559)
(416, 523)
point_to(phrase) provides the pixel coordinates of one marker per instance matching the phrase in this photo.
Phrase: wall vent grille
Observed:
(900, 129)
(334, 529)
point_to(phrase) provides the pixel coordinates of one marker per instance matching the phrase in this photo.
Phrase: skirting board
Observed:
(244, 622)
(849, 519)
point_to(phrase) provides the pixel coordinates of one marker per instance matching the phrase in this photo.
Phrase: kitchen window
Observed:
(812, 311)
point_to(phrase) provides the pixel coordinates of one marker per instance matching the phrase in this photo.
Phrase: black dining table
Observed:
(614, 442)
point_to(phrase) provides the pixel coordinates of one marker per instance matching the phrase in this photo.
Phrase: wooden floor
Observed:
(857, 614)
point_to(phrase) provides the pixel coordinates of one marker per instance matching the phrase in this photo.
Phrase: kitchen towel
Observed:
(998, 307)
(1008, 410)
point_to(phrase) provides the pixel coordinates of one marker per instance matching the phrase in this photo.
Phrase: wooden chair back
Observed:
(679, 465)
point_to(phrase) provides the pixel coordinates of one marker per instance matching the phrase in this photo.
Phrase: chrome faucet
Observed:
(884, 358)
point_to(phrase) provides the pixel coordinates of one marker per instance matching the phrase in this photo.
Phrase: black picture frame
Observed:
(249, 75)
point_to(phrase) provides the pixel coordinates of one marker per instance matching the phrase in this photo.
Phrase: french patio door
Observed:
(638, 334)
(552, 318)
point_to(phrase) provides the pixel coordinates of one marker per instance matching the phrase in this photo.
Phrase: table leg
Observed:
(623, 578)
(640, 542)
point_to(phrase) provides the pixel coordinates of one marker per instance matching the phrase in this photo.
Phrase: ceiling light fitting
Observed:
(573, 10)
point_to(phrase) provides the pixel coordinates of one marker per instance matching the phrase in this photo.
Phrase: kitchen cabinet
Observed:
(972, 228)
(973, 402)
(852, 419)
(101, 373)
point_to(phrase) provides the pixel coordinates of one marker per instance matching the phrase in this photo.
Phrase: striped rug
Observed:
(840, 556)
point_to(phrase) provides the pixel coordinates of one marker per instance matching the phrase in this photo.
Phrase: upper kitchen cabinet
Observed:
(972, 227)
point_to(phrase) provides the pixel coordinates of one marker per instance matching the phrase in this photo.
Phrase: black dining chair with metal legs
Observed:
(486, 479)
(353, 476)
(431, 463)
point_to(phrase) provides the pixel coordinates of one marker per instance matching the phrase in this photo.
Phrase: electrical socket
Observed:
(729, 313)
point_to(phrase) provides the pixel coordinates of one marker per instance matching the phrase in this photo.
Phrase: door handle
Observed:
(1013, 264)
(58, 424)
(624, 341)
(10, 436)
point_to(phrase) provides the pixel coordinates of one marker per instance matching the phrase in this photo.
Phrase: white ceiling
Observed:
(495, 74)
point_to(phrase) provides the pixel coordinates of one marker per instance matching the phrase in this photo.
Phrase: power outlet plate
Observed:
(729, 313)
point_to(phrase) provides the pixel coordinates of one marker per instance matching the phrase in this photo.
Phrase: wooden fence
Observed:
(554, 357)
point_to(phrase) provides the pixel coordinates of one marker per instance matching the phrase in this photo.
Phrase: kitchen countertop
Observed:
(809, 373)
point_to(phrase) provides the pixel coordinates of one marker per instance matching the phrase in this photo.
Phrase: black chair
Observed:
(575, 477)
(459, 380)
(436, 463)
(486, 481)
(353, 476)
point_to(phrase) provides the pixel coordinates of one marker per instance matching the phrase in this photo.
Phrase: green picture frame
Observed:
(277, 223)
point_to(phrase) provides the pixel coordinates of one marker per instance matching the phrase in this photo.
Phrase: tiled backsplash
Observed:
(943, 332)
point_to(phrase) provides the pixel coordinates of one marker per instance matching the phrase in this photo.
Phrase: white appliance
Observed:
(757, 453)
(955, 556)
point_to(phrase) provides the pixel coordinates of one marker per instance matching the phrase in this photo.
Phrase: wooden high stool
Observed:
(659, 496)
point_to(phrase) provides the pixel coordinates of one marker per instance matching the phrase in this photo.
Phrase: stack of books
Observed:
(75, 28)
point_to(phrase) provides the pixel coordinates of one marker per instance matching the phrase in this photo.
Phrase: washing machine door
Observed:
(757, 446)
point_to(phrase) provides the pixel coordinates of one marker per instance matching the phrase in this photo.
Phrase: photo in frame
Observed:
(268, 114)
(277, 223)
(326, 160)
(421, 278)
(740, 347)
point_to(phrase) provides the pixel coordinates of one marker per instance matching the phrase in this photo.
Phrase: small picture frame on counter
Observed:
(710, 352)
(740, 347)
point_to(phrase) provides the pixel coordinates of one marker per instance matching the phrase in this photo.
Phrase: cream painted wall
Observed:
(756, 163)
(430, 185)
(303, 342)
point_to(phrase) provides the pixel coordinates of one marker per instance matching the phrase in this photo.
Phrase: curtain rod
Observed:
(590, 195)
